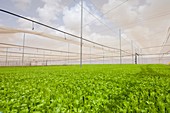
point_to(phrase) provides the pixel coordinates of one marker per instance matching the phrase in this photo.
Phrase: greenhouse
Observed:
(90, 56)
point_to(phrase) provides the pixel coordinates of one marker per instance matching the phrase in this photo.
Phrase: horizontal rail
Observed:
(45, 25)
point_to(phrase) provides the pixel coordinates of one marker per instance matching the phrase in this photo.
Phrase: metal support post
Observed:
(44, 62)
(68, 52)
(81, 33)
(23, 49)
(90, 55)
(6, 57)
(120, 46)
(132, 50)
(136, 58)
(103, 56)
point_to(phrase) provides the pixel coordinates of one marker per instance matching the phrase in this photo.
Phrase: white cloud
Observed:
(25, 24)
(49, 11)
(54, 13)
(130, 17)
(22, 4)
(121, 14)
(72, 18)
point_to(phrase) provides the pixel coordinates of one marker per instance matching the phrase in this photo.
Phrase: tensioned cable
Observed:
(153, 47)
(38, 48)
(152, 54)
(106, 11)
(53, 37)
(166, 40)
(33, 54)
(41, 55)
(31, 20)
(51, 50)
(102, 15)
(145, 20)
(141, 20)
(97, 18)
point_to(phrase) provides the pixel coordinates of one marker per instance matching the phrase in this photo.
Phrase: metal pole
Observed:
(60, 59)
(6, 57)
(68, 53)
(135, 58)
(32, 25)
(120, 47)
(113, 58)
(159, 60)
(46, 62)
(141, 57)
(103, 56)
(50, 57)
(43, 57)
(23, 49)
(90, 55)
(81, 33)
(37, 58)
(132, 50)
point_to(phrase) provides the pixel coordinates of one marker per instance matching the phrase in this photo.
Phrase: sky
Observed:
(143, 23)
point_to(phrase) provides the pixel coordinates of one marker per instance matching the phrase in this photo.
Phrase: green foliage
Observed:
(92, 89)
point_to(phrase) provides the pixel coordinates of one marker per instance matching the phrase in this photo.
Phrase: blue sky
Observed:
(138, 19)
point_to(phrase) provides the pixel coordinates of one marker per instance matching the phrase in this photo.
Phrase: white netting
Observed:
(144, 30)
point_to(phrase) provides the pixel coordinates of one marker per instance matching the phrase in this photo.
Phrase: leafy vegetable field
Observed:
(92, 89)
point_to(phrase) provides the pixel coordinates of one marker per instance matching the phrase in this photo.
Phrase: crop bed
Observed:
(92, 89)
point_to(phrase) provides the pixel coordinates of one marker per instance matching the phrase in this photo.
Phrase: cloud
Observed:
(72, 18)
(140, 19)
(27, 25)
(22, 4)
(127, 16)
(50, 10)
(24, 24)
(135, 36)
(121, 14)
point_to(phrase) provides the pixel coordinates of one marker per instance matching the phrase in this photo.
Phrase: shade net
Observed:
(113, 32)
